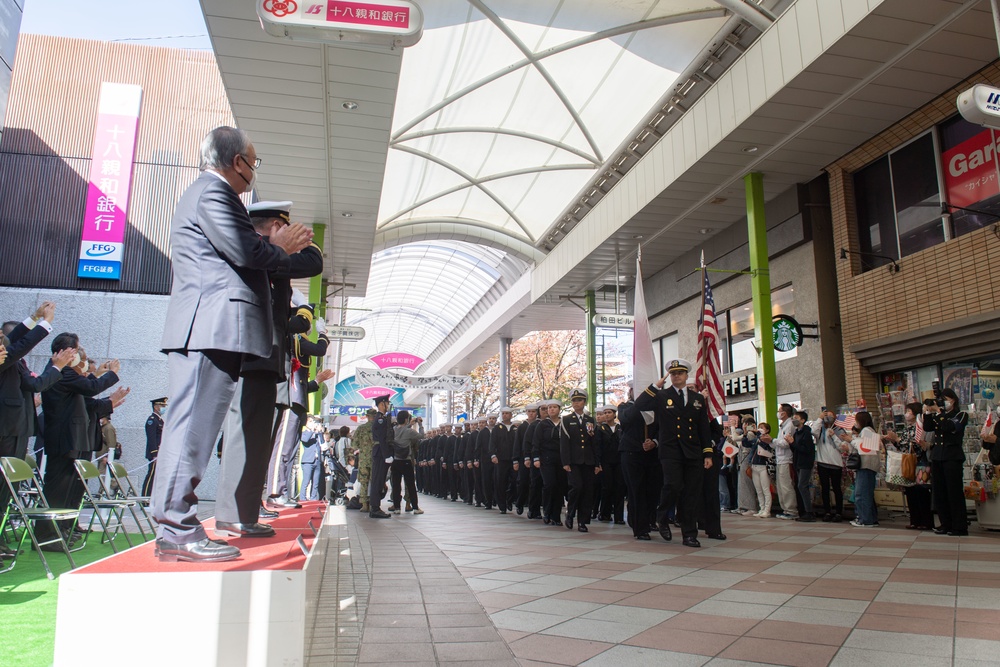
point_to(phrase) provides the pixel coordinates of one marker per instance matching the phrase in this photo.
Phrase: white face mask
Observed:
(75, 361)
(948, 405)
(252, 183)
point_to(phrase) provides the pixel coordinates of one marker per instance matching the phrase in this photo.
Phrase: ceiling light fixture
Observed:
(703, 230)
(349, 105)
(637, 236)
(347, 214)
(751, 149)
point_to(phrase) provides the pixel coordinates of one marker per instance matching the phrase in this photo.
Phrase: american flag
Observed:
(845, 422)
(709, 375)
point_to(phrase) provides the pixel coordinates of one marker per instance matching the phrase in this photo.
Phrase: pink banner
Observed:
(371, 393)
(363, 13)
(409, 362)
(106, 210)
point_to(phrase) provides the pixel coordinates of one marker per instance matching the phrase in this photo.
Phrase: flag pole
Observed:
(702, 371)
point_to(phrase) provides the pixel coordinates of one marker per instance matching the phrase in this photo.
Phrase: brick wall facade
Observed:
(942, 283)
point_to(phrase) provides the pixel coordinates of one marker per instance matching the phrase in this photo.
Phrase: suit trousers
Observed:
(477, 475)
(202, 385)
(523, 482)
(535, 486)
(286, 447)
(247, 434)
(62, 488)
(149, 479)
(644, 482)
(581, 493)
(613, 493)
(682, 481)
(403, 471)
(470, 484)
(786, 490)
(376, 486)
(8, 447)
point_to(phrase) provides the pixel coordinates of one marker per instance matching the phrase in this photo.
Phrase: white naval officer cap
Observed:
(505, 408)
(271, 209)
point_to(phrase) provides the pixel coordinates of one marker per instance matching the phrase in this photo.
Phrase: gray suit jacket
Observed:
(220, 297)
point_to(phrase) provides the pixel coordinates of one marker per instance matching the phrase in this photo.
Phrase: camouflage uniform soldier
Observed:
(363, 441)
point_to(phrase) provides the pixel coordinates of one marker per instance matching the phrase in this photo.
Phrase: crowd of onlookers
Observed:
(58, 407)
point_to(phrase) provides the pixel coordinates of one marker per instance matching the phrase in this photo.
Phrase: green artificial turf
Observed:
(28, 601)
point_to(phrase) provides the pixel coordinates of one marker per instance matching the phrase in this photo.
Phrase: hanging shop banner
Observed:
(787, 333)
(371, 393)
(372, 377)
(339, 332)
(106, 211)
(402, 360)
(360, 410)
(389, 22)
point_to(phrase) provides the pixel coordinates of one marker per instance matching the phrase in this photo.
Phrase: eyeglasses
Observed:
(256, 161)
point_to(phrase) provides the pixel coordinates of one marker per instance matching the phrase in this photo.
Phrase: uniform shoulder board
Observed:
(149, 421)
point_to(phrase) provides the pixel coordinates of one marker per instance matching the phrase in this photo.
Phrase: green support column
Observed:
(591, 352)
(317, 296)
(760, 283)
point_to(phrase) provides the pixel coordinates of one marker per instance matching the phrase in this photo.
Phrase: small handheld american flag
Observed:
(845, 421)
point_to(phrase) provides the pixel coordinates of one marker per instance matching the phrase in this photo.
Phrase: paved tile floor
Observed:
(464, 585)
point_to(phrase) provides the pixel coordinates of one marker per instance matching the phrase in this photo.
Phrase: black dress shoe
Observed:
(568, 522)
(265, 513)
(281, 502)
(534, 517)
(619, 523)
(243, 529)
(203, 551)
(665, 532)
(503, 511)
(582, 528)
(716, 536)
(379, 514)
(644, 537)
(546, 521)
(956, 533)
(520, 510)
(941, 531)
(691, 542)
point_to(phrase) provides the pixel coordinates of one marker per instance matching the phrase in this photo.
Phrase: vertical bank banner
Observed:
(106, 212)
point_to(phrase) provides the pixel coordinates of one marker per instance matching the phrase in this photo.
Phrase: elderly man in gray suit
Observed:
(219, 313)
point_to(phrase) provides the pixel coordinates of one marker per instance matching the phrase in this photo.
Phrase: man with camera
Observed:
(947, 422)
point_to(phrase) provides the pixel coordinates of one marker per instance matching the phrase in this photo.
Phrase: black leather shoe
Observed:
(619, 523)
(955, 533)
(665, 532)
(503, 511)
(265, 513)
(941, 531)
(203, 551)
(717, 536)
(644, 537)
(582, 528)
(568, 522)
(534, 517)
(520, 510)
(243, 529)
(379, 514)
(547, 521)
(691, 542)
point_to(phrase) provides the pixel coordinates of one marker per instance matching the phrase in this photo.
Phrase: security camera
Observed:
(981, 105)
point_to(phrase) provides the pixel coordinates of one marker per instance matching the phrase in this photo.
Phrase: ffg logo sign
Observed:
(100, 250)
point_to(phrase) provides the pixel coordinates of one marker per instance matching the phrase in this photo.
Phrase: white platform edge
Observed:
(192, 619)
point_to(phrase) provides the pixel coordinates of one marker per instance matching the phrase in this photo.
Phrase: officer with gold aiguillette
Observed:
(685, 447)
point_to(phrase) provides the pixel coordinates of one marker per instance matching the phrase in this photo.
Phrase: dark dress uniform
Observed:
(580, 449)
(154, 433)
(641, 470)
(469, 452)
(522, 456)
(546, 451)
(613, 485)
(683, 443)
(947, 469)
(382, 436)
(486, 466)
(502, 447)
(534, 492)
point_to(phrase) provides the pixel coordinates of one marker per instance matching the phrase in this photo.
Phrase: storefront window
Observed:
(968, 160)
(741, 330)
(917, 196)
(876, 222)
(665, 349)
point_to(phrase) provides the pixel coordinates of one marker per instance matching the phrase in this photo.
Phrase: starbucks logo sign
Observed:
(786, 332)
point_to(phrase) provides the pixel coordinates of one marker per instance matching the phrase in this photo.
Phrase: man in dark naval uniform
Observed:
(154, 432)
(382, 435)
(685, 447)
(502, 456)
(579, 451)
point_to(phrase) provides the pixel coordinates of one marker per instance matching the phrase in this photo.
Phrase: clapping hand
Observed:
(46, 311)
(292, 238)
(118, 396)
(324, 375)
(62, 358)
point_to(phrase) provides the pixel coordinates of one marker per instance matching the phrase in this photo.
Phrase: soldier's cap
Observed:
(679, 366)
(271, 209)
(481, 420)
(578, 393)
(382, 399)
(551, 401)
(531, 406)
(371, 412)
(492, 415)
(505, 408)
(606, 408)
(162, 400)
(446, 425)
(600, 408)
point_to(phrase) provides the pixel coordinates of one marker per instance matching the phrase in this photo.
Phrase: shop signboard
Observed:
(402, 360)
(612, 321)
(389, 22)
(106, 210)
(786, 332)
(970, 170)
(338, 332)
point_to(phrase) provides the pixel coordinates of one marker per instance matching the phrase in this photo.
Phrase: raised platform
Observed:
(246, 612)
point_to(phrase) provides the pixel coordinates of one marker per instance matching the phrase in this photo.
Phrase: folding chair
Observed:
(87, 471)
(126, 489)
(15, 473)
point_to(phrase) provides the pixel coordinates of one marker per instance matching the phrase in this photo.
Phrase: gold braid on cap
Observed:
(306, 313)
